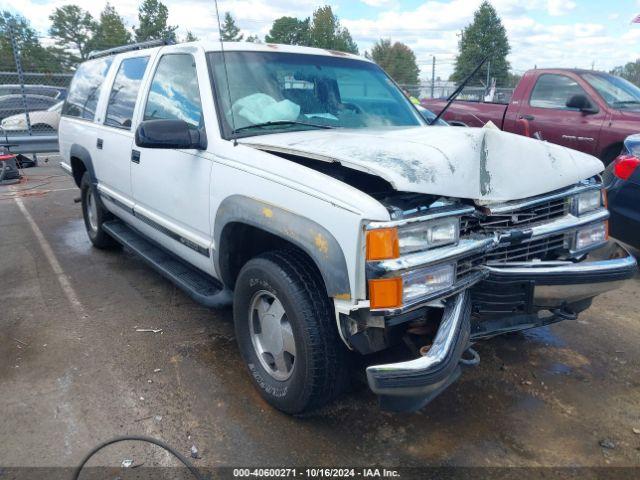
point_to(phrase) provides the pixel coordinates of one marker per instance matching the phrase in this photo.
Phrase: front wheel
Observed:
(286, 332)
(94, 215)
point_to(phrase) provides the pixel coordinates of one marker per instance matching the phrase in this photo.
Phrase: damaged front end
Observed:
(442, 274)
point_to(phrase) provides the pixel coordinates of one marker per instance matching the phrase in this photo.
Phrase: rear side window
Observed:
(174, 92)
(84, 92)
(122, 99)
(553, 91)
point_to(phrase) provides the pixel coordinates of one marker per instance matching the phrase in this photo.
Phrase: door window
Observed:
(174, 92)
(124, 92)
(553, 91)
(85, 88)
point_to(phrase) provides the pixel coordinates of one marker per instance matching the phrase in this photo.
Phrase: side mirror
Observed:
(170, 134)
(581, 102)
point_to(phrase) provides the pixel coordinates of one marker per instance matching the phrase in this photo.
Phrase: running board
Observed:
(198, 285)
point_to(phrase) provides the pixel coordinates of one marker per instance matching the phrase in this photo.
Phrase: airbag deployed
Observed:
(261, 108)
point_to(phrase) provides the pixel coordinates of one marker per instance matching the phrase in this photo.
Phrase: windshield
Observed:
(277, 92)
(616, 91)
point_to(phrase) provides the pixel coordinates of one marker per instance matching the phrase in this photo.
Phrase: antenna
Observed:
(226, 76)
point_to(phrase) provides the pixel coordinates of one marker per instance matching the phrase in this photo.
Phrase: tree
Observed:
(72, 28)
(629, 71)
(34, 57)
(190, 37)
(289, 31)
(484, 36)
(253, 39)
(326, 32)
(153, 15)
(230, 31)
(111, 31)
(398, 60)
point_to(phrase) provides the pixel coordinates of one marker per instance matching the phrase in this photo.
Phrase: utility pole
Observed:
(488, 72)
(433, 76)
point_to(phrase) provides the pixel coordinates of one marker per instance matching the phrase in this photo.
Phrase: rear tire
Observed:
(310, 363)
(95, 215)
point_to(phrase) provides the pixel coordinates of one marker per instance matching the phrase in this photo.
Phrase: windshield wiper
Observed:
(626, 102)
(281, 122)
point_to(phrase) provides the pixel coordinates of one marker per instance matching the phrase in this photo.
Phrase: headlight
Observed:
(426, 235)
(589, 236)
(586, 202)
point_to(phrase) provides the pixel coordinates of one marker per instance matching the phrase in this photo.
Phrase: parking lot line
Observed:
(62, 277)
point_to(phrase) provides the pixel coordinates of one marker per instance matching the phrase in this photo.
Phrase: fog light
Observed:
(427, 281)
(591, 235)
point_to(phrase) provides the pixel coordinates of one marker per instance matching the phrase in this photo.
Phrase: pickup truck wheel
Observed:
(286, 332)
(94, 214)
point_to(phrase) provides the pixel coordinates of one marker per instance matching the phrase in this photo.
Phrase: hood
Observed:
(483, 164)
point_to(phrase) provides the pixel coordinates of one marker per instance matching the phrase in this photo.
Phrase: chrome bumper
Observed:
(410, 385)
(560, 283)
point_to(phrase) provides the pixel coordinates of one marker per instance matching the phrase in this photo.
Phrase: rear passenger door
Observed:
(115, 135)
(171, 187)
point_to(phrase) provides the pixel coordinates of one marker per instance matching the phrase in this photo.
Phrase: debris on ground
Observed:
(636, 431)
(527, 382)
(157, 370)
(149, 330)
(606, 443)
(127, 462)
(194, 452)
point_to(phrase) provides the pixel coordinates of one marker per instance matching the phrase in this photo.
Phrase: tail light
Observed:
(625, 165)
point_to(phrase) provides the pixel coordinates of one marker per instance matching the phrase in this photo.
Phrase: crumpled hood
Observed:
(483, 164)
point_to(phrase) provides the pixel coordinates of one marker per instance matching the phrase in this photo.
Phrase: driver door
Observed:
(171, 187)
(549, 116)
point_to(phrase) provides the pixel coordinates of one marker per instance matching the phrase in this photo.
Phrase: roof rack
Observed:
(128, 48)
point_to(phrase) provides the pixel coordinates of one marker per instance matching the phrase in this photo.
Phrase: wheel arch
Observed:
(81, 162)
(611, 151)
(242, 223)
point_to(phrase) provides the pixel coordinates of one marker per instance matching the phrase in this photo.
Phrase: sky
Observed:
(542, 33)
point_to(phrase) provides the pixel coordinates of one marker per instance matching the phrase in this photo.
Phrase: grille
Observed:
(523, 252)
(525, 217)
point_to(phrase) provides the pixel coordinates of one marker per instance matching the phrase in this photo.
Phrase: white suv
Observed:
(303, 184)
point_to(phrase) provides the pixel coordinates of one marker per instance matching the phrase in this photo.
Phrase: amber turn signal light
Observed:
(382, 244)
(385, 293)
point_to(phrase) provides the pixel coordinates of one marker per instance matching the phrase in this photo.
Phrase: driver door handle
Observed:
(527, 117)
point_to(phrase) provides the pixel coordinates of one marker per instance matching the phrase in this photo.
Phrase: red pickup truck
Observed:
(581, 109)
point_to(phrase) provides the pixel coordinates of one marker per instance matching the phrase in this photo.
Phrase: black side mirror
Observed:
(581, 102)
(170, 134)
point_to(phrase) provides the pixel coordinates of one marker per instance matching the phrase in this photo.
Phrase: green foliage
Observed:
(289, 31)
(72, 28)
(230, 31)
(629, 71)
(34, 56)
(484, 36)
(253, 39)
(326, 32)
(190, 37)
(111, 31)
(398, 60)
(153, 15)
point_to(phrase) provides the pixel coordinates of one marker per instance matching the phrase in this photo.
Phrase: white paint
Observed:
(62, 277)
(482, 164)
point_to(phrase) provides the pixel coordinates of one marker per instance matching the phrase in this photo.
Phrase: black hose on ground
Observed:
(137, 438)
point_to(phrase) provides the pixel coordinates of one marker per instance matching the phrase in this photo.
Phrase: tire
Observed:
(94, 215)
(318, 370)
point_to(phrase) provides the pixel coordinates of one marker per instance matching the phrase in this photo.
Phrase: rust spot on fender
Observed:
(267, 212)
(321, 243)
(343, 296)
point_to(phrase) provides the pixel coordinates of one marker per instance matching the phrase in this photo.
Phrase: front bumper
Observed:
(554, 287)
